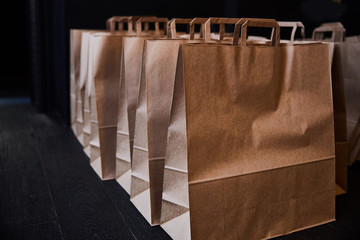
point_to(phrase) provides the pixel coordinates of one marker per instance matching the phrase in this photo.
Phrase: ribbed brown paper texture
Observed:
(152, 118)
(339, 104)
(104, 86)
(350, 60)
(75, 48)
(129, 93)
(250, 142)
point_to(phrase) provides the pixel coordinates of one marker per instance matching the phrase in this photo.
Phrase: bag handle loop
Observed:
(171, 32)
(221, 22)
(336, 28)
(120, 20)
(197, 21)
(294, 26)
(145, 20)
(244, 23)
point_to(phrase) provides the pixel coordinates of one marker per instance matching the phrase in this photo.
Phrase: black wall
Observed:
(93, 13)
(49, 56)
(49, 22)
(14, 80)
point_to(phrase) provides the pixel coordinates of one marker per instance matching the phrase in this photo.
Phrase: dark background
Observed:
(35, 34)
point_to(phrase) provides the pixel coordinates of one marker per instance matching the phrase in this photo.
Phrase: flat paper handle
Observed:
(151, 20)
(111, 23)
(194, 22)
(336, 28)
(221, 22)
(294, 26)
(244, 23)
(134, 19)
(171, 32)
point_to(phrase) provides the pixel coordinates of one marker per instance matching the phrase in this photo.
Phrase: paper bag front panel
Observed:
(106, 79)
(251, 122)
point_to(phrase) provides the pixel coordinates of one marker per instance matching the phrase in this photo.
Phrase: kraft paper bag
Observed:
(350, 58)
(101, 101)
(103, 88)
(152, 117)
(83, 101)
(87, 90)
(104, 91)
(75, 46)
(87, 115)
(250, 146)
(132, 53)
(89, 96)
(153, 111)
(78, 70)
(339, 101)
(79, 48)
(341, 144)
(80, 93)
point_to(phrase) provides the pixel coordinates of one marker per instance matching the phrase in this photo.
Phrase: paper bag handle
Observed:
(111, 23)
(221, 22)
(151, 20)
(194, 22)
(294, 26)
(255, 22)
(336, 28)
(134, 19)
(171, 32)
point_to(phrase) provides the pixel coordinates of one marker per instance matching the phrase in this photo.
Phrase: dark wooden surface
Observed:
(49, 191)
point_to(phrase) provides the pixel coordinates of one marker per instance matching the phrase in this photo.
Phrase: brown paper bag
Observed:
(341, 145)
(104, 95)
(83, 92)
(350, 58)
(339, 103)
(103, 89)
(250, 146)
(83, 99)
(75, 46)
(84, 53)
(152, 117)
(96, 128)
(82, 118)
(88, 94)
(129, 92)
(78, 70)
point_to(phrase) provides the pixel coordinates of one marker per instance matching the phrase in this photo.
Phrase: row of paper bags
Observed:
(219, 135)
